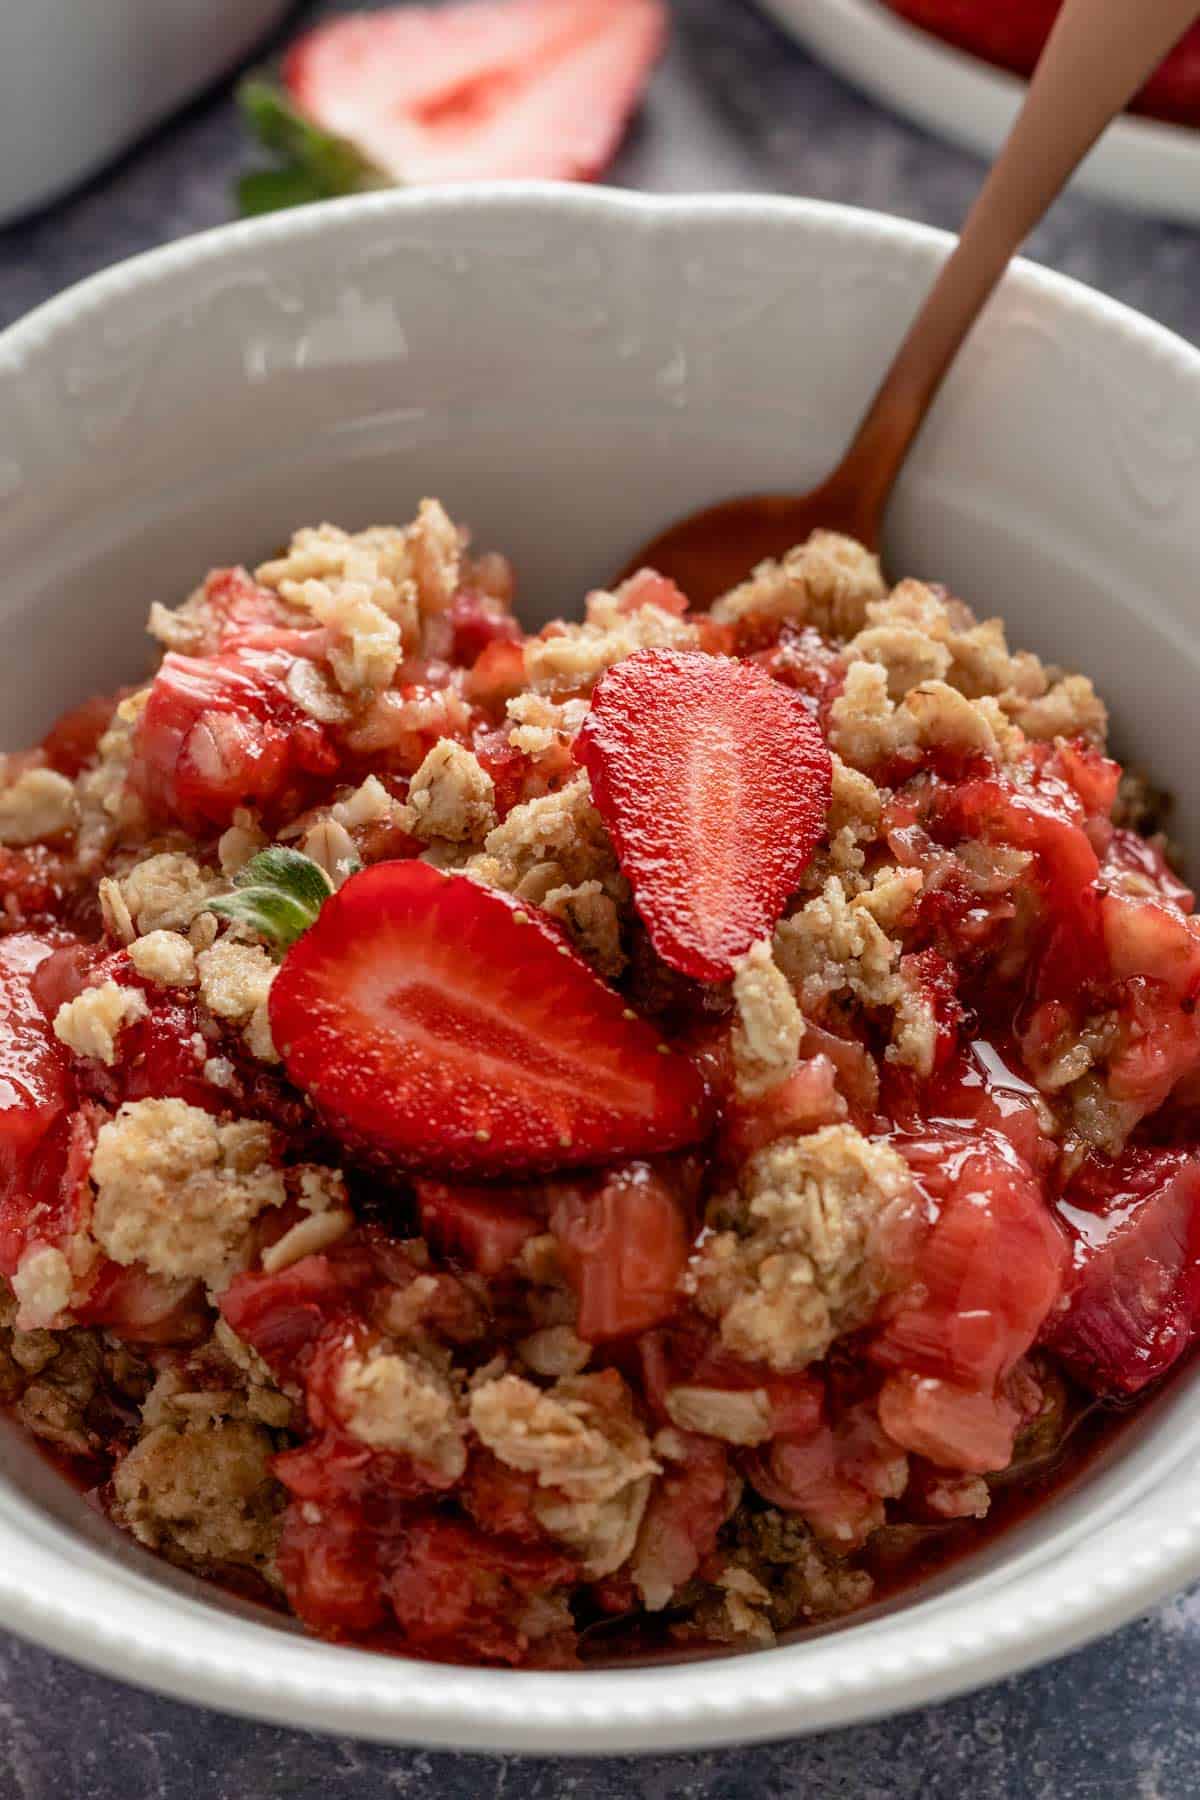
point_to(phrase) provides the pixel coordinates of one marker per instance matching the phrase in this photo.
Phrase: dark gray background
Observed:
(735, 107)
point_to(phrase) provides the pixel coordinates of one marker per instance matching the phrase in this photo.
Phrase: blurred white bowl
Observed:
(80, 82)
(1140, 163)
(568, 369)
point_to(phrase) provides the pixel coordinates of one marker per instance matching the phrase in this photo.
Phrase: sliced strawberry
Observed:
(624, 1242)
(1133, 1301)
(484, 1227)
(493, 89)
(714, 782)
(449, 1028)
(221, 732)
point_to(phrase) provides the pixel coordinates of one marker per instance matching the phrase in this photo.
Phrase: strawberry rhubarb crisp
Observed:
(527, 1147)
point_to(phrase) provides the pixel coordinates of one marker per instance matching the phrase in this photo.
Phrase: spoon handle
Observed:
(1098, 56)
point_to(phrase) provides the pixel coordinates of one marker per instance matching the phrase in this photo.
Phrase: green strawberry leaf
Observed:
(277, 896)
(272, 190)
(311, 164)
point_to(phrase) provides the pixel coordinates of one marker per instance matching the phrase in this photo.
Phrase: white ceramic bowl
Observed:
(1145, 164)
(81, 82)
(569, 369)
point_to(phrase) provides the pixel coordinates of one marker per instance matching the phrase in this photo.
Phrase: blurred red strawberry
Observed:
(1012, 34)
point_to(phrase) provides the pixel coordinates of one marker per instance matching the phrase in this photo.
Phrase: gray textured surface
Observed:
(736, 107)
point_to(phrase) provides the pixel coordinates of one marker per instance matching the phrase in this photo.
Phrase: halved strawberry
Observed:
(1134, 1294)
(449, 1028)
(492, 89)
(714, 782)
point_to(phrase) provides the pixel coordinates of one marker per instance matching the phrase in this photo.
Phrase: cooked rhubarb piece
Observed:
(1133, 1296)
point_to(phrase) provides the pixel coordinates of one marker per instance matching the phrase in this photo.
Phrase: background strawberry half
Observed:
(477, 90)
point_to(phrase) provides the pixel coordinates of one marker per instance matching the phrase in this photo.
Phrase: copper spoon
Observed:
(1098, 56)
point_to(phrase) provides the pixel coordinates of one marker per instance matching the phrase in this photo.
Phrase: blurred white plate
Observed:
(1141, 164)
(80, 82)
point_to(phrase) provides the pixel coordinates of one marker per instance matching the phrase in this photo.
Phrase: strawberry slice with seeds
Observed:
(447, 1027)
(714, 782)
(487, 90)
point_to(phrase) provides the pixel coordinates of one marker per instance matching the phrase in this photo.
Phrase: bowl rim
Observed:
(134, 1627)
